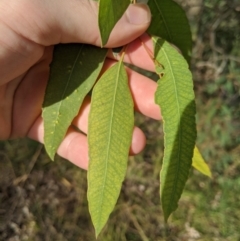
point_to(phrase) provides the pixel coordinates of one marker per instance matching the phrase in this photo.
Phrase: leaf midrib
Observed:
(68, 82)
(109, 139)
(165, 23)
(179, 136)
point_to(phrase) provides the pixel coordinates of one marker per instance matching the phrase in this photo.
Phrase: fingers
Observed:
(29, 95)
(74, 147)
(51, 22)
(143, 90)
(83, 23)
(139, 53)
(133, 24)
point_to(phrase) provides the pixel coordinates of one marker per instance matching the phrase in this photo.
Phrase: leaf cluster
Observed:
(73, 75)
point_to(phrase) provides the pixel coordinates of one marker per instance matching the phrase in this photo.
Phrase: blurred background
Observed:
(44, 200)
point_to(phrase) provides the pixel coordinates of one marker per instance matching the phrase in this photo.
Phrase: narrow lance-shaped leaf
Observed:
(110, 11)
(170, 22)
(199, 163)
(111, 122)
(175, 96)
(73, 72)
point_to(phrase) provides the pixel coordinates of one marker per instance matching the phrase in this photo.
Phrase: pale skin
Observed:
(28, 31)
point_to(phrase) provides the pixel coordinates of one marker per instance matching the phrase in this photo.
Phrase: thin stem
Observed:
(151, 56)
(149, 52)
(123, 52)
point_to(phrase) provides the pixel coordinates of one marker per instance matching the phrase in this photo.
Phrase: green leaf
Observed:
(111, 122)
(169, 22)
(110, 11)
(175, 96)
(73, 72)
(199, 163)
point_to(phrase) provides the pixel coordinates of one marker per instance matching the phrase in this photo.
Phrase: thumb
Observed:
(52, 22)
(82, 24)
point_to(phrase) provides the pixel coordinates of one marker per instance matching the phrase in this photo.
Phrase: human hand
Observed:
(28, 32)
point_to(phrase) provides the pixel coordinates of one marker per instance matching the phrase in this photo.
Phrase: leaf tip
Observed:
(103, 44)
(210, 174)
(104, 40)
(52, 157)
(166, 215)
(97, 232)
(50, 152)
(98, 229)
(200, 164)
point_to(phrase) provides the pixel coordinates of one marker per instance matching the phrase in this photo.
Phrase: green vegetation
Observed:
(111, 118)
(42, 200)
(112, 100)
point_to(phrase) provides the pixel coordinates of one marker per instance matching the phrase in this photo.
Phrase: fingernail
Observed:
(138, 14)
